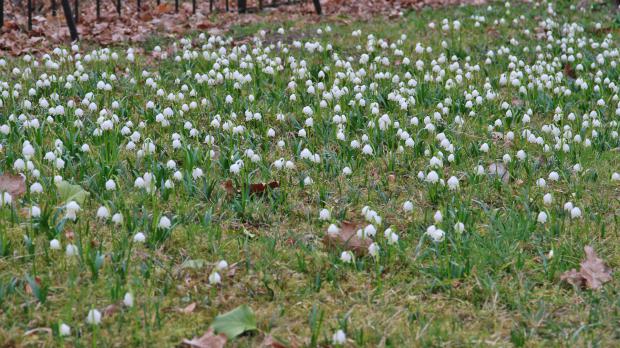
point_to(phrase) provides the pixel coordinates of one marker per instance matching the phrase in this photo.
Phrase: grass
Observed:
(495, 284)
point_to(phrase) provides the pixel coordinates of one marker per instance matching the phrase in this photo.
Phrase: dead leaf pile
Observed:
(138, 24)
(592, 274)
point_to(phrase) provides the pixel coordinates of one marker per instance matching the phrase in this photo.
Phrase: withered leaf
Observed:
(189, 308)
(254, 188)
(270, 342)
(592, 274)
(347, 238)
(13, 184)
(208, 340)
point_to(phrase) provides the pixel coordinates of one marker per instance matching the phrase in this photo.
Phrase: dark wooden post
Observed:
(317, 7)
(69, 17)
(241, 6)
(77, 11)
(29, 15)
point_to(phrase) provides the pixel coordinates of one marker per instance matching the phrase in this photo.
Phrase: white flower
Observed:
(35, 211)
(110, 185)
(215, 278)
(64, 330)
(36, 188)
(346, 171)
(308, 181)
(222, 265)
(459, 227)
(438, 217)
(93, 317)
(139, 237)
(435, 234)
(373, 249)
(408, 206)
(575, 213)
(547, 198)
(333, 230)
(72, 208)
(339, 338)
(117, 218)
(128, 299)
(324, 214)
(367, 150)
(432, 177)
(615, 177)
(542, 217)
(54, 244)
(346, 256)
(164, 222)
(453, 183)
(103, 213)
(71, 250)
(5, 198)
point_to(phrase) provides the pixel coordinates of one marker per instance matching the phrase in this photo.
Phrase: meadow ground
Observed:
(428, 180)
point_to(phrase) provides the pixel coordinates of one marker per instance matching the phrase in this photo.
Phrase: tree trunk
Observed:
(69, 17)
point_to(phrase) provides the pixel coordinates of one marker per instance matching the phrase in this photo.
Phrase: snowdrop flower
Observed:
(615, 177)
(103, 213)
(221, 265)
(373, 249)
(408, 206)
(54, 244)
(128, 299)
(139, 237)
(339, 338)
(164, 222)
(347, 171)
(64, 330)
(575, 213)
(554, 176)
(542, 217)
(453, 183)
(367, 150)
(93, 317)
(235, 168)
(215, 278)
(459, 227)
(432, 177)
(541, 182)
(5, 198)
(117, 218)
(435, 234)
(568, 206)
(324, 214)
(110, 185)
(438, 217)
(346, 256)
(35, 211)
(333, 230)
(71, 250)
(547, 198)
(308, 181)
(71, 210)
(36, 188)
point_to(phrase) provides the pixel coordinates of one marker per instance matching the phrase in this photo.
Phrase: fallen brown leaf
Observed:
(208, 340)
(13, 184)
(347, 238)
(592, 274)
(270, 342)
(189, 308)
